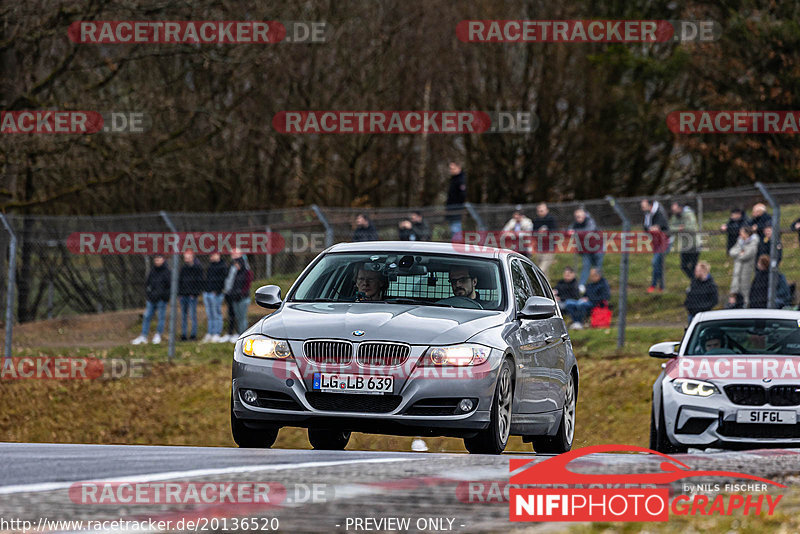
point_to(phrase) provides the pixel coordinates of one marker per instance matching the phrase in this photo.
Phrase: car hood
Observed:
(417, 325)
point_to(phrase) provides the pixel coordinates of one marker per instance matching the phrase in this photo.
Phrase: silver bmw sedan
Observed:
(409, 338)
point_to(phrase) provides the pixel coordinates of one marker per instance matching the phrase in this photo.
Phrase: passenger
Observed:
(464, 283)
(370, 285)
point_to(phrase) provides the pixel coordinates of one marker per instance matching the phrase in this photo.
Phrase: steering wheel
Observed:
(454, 301)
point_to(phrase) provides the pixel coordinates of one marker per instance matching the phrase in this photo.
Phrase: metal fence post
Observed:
(476, 216)
(623, 276)
(269, 253)
(173, 289)
(12, 271)
(324, 220)
(773, 249)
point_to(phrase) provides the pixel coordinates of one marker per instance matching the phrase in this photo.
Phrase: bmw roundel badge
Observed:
(358, 332)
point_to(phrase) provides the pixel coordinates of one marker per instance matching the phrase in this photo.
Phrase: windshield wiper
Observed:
(408, 300)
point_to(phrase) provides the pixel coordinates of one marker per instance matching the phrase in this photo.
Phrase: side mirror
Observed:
(538, 308)
(269, 297)
(665, 349)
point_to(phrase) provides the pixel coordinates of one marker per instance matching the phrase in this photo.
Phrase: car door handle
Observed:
(564, 336)
(549, 339)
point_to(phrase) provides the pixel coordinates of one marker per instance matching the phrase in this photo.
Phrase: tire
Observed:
(251, 438)
(658, 436)
(327, 439)
(494, 439)
(565, 435)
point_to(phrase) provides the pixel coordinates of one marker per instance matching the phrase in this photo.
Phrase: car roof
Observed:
(458, 249)
(749, 313)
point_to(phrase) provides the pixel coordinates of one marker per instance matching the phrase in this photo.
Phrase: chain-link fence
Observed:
(56, 278)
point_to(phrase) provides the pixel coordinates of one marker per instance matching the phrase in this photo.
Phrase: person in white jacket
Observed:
(519, 223)
(743, 254)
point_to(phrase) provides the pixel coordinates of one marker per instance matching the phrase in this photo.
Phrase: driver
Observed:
(464, 283)
(711, 339)
(370, 285)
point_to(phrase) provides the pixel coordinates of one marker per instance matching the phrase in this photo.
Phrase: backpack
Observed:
(601, 316)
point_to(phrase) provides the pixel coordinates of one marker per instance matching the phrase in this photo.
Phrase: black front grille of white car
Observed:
(383, 354)
(329, 352)
(758, 430)
(353, 402)
(746, 394)
(754, 395)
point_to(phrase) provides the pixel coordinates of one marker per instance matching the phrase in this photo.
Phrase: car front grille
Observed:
(754, 395)
(758, 430)
(328, 352)
(746, 394)
(383, 354)
(350, 402)
(784, 395)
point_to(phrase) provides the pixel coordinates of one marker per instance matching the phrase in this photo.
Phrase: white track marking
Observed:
(169, 475)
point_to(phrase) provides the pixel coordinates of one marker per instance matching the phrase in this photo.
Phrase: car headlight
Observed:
(698, 388)
(264, 347)
(459, 355)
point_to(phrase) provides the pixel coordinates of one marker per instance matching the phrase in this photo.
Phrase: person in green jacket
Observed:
(683, 227)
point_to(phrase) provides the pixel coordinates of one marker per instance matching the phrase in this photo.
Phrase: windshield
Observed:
(746, 336)
(424, 279)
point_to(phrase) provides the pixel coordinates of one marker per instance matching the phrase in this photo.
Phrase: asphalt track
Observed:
(325, 491)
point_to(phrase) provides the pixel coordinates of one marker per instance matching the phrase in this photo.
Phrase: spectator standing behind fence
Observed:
(759, 290)
(213, 296)
(414, 228)
(519, 223)
(363, 230)
(760, 218)
(157, 295)
(796, 227)
(190, 285)
(456, 197)
(743, 254)
(735, 222)
(703, 293)
(237, 289)
(683, 227)
(735, 301)
(583, 222)
(598, 293)
(765, 244)
(655, 222)
(544, 222)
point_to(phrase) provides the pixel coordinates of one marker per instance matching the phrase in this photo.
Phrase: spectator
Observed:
(760, 219)
(735, 301)
(759, 290)
(683, 227)
(544, 222)
(582, 223)
(567, 288)
(796, 228)
(597, 294)
(157, 295)
(237, 291)
(519, 223)
(456, 197)
(703, 294)
(655, 222)
(190, 285)
(363, 229)
(735, 222)
(743, 254)
(213, 297)
(414, 228)
(765, 244)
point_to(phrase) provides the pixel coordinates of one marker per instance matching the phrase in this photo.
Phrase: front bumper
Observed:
(711, 421)
(396, 414)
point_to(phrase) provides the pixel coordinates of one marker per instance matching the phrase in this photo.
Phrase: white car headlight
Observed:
(458, 355)
(264, 347)
(697, 388)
